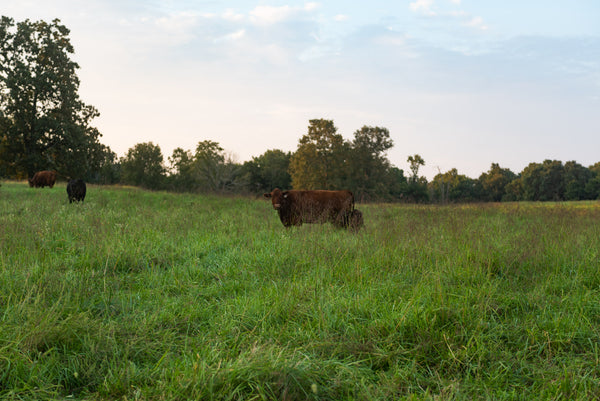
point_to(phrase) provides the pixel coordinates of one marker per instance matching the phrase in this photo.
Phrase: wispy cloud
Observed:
(476, 22)
(423, 6)
(267, 15)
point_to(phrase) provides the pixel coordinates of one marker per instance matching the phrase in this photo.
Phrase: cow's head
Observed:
(277, 197)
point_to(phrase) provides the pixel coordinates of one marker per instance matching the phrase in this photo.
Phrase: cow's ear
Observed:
(267, 195)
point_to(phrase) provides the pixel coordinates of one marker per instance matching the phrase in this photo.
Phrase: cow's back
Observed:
(321, 205)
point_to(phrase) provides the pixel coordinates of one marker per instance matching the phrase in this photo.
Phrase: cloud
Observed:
(233, 36)
(269, 15)
(230, 15)
(423, 7)
(476, 22)
(340, 18)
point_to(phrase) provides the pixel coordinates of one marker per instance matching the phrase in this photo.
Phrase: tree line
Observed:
(45, 125)
(323, 160)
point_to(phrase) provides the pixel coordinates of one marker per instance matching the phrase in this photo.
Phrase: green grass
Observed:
(157, 296)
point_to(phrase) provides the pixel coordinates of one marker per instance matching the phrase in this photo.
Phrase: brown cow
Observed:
(43, 179)
(319, 206)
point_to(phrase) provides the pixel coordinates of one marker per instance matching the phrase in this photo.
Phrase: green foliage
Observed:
(416, 162)
(543, 182)
(43, 123)
(592, 187)
(576, 180)
(369, 173)
(324, 160)
(268, 171)
(416, 189)
(209, 169)
(151, 295)
(319, 161)
(453, 187)
(143, 166)
(493, 183)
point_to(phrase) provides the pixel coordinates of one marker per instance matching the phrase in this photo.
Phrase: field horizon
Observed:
(140, 295)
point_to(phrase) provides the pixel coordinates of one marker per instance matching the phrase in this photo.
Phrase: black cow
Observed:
(319, 206)
(76, 190)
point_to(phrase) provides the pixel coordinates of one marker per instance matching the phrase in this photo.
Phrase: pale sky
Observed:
(463, 83)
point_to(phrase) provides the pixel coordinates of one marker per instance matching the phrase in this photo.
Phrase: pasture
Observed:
(138, 295)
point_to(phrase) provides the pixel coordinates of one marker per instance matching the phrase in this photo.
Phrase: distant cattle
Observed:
(43, 179)
(319, 206)
(76, 190)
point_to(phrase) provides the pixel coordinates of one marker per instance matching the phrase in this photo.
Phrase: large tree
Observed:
(369, 173)
(543, 181)
(592, 188)
(452, 187)
(268, 171)
(493, 182)
(576, 180)
(208, 169)
(43, 122)
(143, 166)
(319, 161)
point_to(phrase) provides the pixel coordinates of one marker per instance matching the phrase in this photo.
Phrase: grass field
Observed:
(138, 295)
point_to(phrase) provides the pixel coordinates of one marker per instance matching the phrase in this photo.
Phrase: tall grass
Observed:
(151, 295)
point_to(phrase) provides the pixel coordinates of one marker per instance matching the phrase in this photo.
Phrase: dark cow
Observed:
(76, 190)
(356, 220)
(319, 206)
(43, 179)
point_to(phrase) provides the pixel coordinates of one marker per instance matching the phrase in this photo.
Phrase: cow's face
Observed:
(277, 198)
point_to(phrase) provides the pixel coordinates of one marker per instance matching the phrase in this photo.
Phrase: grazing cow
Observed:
(42, 179)
(76, 190)
(356, 220)
(297, 207)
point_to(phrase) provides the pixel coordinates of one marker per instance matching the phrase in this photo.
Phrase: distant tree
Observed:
(397, 183)
(493, 183)
(452, 187)
(215, 170)
(543, 182)
(269, 170)
(592, 188)
(181, 177)
(513, 191)
(43, 122)
(367, 165)
(319, 161)
(105, 169)
(531, 181)
(416, 189)
(143, 166)
(416, 162)
(576, 178)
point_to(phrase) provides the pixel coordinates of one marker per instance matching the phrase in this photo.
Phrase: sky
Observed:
(463, 83)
